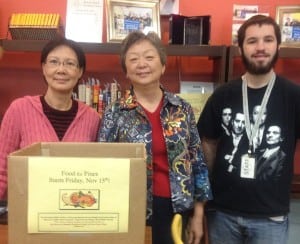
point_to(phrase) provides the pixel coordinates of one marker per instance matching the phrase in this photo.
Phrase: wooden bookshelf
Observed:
(217, 54)
(114, 48)
(20, 66)
(233, 53)
(223, 57)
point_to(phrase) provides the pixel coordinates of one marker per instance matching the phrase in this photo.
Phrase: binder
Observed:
(197, 30)
(189, 30)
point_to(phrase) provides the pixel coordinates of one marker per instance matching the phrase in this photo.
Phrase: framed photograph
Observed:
(124, 16)
(288, 18)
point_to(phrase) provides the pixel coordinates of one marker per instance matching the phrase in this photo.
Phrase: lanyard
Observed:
(252, 133)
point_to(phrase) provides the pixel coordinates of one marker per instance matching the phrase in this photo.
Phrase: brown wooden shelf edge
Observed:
(217, 53)
(233, 52)
(284, 52)
(114, 48)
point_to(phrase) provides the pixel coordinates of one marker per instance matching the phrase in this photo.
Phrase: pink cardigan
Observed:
(25, 123)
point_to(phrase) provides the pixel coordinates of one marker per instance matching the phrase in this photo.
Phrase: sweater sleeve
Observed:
(9, 142)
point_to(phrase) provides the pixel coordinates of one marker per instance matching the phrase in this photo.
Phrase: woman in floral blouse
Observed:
(177, 174)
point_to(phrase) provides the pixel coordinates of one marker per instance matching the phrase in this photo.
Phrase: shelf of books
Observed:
(100, 89)
(97, 95)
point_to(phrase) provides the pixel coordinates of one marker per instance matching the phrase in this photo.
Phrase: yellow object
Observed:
(13, 19)
(176, 229)
(56, 20)
(34, 20)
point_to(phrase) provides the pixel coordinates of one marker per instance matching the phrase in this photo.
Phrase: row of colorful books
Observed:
(97, 95)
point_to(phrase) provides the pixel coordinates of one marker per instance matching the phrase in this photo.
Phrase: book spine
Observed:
(100, 104)
(88, 92)
(81, 91)
(96, 92)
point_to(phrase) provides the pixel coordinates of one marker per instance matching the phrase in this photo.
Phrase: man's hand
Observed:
(195, 227)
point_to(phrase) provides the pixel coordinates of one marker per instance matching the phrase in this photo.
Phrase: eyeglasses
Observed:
(68, 63)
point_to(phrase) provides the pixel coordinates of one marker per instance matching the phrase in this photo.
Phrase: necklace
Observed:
(251, 132)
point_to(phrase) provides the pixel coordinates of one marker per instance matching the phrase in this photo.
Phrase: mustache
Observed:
(253, 69)
(260, 53)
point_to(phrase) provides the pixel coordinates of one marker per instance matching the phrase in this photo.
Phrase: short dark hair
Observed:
(258, 20)
(61, 41)
(137, 36)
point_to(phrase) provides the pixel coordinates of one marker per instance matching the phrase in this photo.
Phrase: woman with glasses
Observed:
(53, 116)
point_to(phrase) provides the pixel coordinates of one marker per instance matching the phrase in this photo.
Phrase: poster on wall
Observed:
(243, 12)
(288, 18)
(125, 16)
(84, 20)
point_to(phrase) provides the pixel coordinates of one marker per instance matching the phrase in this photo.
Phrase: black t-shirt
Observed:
(223, 118)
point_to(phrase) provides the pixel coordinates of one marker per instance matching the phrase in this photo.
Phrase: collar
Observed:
(130, 101)
(268, 152)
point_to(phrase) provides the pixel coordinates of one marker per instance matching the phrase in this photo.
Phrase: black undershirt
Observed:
(60, 120)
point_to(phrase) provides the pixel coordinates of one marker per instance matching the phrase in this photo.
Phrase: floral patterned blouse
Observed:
(126, 121)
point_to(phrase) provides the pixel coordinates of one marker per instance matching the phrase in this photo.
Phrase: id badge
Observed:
(248, 166)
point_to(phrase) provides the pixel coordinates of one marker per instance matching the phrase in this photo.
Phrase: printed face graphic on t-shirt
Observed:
(226, 116)
(266, 143)
(255, 114)
(273, 135)
(238, 123)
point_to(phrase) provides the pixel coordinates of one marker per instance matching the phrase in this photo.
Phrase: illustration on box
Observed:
(79, 199)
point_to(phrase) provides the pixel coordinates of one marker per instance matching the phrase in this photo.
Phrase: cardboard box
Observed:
(18, 192)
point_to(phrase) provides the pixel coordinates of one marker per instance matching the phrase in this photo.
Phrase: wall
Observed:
(220, 11)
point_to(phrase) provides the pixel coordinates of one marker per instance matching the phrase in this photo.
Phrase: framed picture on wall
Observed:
(288, 18)
(124, 16)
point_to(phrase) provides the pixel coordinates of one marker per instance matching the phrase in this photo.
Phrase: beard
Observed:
(255, 69)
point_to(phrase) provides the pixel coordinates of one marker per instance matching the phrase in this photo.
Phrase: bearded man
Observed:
(248, 208)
